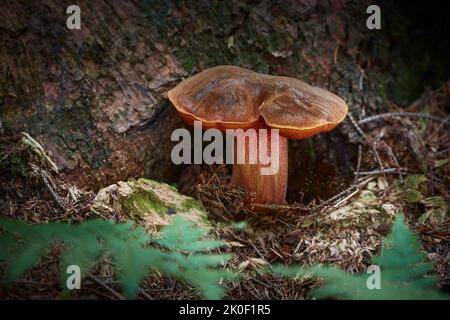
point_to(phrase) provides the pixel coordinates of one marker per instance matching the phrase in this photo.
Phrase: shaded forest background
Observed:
(96, 98)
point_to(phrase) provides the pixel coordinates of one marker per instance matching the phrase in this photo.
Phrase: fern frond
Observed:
(185, 235)
(404, 272)
(184, 256)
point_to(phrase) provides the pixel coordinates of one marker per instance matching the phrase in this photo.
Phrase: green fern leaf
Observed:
(7, 245)
(199, 269)
(184, 256)
(184, 235)
(403, 272)
(23, 261)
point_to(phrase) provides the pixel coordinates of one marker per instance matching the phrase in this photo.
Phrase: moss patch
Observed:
(152, 203)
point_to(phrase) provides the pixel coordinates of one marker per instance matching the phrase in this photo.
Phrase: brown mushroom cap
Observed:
(231, 97)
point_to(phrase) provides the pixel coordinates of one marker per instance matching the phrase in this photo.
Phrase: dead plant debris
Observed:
(402, 166)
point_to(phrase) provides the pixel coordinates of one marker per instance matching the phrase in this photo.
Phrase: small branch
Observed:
(443, 123)
(390, 152)
(387, 170)
(358, 163)
(337, 197)
(346, 198)
(270, 206)
(399, 114)
(48, 183)
(355, 124)
(38, 149)
(377, 155)
(104, 285)
(146, 295)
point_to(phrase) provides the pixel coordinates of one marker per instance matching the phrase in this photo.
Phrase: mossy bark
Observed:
(96, 97)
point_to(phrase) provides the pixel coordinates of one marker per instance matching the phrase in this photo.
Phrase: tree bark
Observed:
(96, 97)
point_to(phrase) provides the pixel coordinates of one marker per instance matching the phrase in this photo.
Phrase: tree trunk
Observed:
(96, 97)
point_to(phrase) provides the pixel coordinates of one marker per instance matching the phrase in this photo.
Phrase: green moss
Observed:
(412, 189)
(190, 203)
(142, 202)
(143, 182)
(149, 197)
(189, 63)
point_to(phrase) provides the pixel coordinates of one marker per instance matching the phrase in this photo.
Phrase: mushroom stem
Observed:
(268, 188)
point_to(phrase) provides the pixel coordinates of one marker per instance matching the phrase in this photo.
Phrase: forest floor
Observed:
(390, 156)
(406, 153)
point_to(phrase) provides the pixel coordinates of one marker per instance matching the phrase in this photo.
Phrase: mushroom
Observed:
(229, 97)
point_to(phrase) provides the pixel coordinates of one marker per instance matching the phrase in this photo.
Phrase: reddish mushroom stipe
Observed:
(228, 97)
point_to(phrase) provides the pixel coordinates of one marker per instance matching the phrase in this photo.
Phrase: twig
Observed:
(104, 285)
(377, 155)
(399, 114)
(260, 255)
(442, 151)
(389, 151)
(271, 206)
(337, 196)
(146, 295)
(358, 163)
(355, 124)
(346, 198)
(443, 123)
(49, 186)
(387, 170)
(38, 149)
